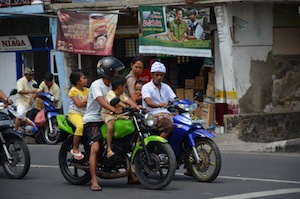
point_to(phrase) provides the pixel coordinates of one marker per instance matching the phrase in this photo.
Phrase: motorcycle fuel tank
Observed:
(121, 128)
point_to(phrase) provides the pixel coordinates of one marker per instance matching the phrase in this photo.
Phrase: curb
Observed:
(292, 145)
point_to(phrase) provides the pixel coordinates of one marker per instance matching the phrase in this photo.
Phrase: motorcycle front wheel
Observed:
(76, 173)
(52, 137)
(18, 166)
(209, 168)
(160, 170)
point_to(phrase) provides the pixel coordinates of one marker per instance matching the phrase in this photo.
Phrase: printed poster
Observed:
(174, 31)
(86, 33)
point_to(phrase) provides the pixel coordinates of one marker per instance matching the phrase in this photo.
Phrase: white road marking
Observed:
(44, 166)
(261, 194)
(259, 179)
(224, 177)
(254, 179)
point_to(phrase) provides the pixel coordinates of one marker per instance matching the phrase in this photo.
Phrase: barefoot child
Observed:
(118, 88)
(78, 95)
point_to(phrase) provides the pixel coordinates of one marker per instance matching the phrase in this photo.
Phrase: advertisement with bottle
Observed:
(86, 33)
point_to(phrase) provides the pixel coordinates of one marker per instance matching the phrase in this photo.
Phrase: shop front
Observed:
(187, 75)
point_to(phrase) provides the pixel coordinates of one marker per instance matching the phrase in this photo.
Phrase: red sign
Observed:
(85, 33)
(145, 76)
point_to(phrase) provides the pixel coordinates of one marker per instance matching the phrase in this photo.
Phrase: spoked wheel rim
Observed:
(51, 137)
(208, 169)
(18, 165)
(75, 172)
(159, 172)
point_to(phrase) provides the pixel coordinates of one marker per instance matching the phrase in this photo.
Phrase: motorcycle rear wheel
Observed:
(20, 164)
(209, 168)
(52, 137)
(70, 172)
(161, 170)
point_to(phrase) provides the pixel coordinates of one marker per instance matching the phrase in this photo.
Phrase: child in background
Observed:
(78, 95)
(138, 91)
(118, 88)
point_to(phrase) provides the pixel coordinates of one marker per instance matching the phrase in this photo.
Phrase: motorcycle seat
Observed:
(70, 124)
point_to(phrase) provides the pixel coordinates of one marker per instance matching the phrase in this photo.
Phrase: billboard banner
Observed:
(174, 31)
(86, 33)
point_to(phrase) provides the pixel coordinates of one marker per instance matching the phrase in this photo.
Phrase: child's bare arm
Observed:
(122, 104)
(79, 103)
(131, 103)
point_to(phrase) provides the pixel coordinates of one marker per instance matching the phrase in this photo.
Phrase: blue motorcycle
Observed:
(49, 132)
(52, 132)
(193, 144)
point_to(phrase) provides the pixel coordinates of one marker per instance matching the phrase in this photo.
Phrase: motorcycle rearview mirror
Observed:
(13, 92)
(114, 101)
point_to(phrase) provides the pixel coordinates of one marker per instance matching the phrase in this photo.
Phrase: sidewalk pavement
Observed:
(231, 142)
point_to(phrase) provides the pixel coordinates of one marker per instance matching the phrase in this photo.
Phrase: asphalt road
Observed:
(243, 175)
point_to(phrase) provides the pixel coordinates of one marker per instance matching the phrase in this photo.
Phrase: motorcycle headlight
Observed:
(187, 107)
(52, 98)
(149, 119)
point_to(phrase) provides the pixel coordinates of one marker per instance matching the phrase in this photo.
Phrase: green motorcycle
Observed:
(150, 157)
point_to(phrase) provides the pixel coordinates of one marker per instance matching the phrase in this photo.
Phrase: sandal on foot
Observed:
(77, 156)
(110, 154)
(96, 188)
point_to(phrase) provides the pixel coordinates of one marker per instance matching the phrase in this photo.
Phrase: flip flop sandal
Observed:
(110, 154)
(96, 188)
(77, 156)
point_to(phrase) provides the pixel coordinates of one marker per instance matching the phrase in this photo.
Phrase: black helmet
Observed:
(107, 66)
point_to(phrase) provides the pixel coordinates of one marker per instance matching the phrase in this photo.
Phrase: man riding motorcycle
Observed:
(156, 96)
(107, 67)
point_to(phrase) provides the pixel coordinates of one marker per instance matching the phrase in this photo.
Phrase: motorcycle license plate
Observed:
(6, 123)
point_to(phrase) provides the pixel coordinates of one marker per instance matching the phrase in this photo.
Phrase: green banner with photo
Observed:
(153, 20)
(174, 31)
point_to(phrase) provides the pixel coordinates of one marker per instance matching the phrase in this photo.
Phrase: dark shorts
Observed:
(93, 132)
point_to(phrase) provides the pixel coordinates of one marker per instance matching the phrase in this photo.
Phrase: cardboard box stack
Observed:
(192, 86)
(208, 110)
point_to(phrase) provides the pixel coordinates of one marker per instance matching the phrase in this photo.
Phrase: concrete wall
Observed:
(265, 82)
(251, 43)
(268, 127)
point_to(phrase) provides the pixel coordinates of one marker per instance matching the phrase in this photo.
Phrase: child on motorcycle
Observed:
(118, 84)
(78, 94)
(107, 67)
(138, 91)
